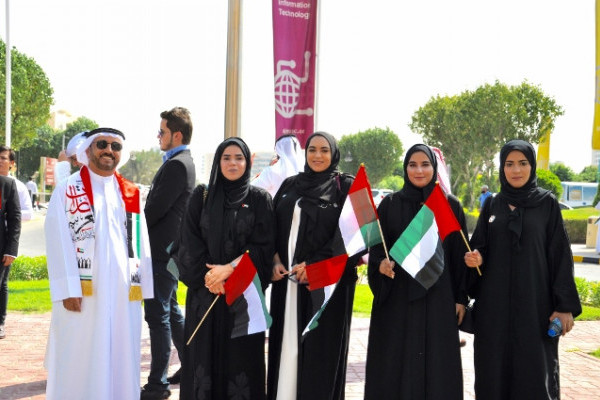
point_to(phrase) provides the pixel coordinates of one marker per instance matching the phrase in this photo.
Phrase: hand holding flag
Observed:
(244, 296)
(323, 277)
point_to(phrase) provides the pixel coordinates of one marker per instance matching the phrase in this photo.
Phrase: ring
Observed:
(208, 273)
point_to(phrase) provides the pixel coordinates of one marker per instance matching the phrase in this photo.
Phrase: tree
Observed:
(31, 97)
(548, 180)
(588, 174)
(48, 143)
(564, 173)
(142, 166)
(471, 128)
(393, 182)
(379, 149)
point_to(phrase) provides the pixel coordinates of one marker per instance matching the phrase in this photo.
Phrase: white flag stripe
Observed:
(257, 321)
(422, 252)
(327, 291)
(353, 239)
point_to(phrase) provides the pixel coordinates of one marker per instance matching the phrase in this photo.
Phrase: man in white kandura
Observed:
(100, 268)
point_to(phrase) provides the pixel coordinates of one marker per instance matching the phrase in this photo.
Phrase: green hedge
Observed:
(28, 269)
(589, 292)
(576, 229)
(575, 225)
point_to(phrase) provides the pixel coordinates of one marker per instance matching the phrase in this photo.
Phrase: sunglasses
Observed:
(102, 144)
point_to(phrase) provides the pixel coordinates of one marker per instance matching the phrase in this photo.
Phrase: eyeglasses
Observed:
(162, 133)
(102, 144)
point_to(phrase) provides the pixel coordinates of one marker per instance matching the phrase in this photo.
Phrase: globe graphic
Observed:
(287, 88)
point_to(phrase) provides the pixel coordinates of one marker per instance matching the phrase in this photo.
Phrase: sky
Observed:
(122, 62)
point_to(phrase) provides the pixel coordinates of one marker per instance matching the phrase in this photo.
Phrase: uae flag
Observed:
(246, 300)
(323, 277)
(419, 249)
(358, 221)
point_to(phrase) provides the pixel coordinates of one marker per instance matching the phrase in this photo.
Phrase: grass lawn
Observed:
(34, 296)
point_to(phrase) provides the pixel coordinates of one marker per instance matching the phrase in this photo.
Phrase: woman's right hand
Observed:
(386, 267)
(473, 259)
(279, 272)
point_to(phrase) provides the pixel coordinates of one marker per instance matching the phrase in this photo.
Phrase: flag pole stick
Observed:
(383, 240)
(469, 248)
(202, 320)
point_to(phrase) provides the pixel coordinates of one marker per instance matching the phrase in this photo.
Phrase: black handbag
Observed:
(468, 322)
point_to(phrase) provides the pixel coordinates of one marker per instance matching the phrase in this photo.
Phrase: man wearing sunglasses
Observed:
(171, 187)
(99, 266)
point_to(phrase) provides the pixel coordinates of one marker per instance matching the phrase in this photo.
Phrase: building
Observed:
(59, 119)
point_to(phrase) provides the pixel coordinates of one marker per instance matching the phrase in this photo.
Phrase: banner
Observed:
(596, 129)
(294, 43)
(49, 166)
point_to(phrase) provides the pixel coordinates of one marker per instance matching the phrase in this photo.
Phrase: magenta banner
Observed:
(294, 38)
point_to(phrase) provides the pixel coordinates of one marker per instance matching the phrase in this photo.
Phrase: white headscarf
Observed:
(291, 161)
(74, 143)
(88, 138)
(291, 156)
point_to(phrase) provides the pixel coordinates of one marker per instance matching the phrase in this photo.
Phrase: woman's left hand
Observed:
(566, 319)
(460, 312)
(218, 274)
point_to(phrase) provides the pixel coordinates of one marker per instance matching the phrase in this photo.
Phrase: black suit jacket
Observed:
(166, 203)
(10, 217)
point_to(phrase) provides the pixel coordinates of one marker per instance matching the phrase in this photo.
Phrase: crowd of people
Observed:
(113, 260)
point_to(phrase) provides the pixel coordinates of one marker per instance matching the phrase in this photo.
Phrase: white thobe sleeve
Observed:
(62, 170)
(146, 274)
(60, 251)
(269, 180)
(24, 201)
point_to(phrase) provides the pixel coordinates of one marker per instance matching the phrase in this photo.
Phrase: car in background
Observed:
(379, 194)
(564, 206)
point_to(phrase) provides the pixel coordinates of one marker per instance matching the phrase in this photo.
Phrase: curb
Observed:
(588, 260)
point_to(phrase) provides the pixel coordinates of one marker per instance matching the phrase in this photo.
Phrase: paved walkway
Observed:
(22, 375)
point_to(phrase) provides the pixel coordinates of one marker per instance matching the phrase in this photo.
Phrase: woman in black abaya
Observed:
(307, 208)
(221, 223)
(413, 351)
(527, 280)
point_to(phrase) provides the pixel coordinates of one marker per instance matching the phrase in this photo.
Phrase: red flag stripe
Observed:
(239, 280)
(326, 272)
(444, 216)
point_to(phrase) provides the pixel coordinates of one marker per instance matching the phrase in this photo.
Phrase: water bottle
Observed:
(555, 328)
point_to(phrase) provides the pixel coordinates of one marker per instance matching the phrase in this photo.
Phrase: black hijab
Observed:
(316, 187)
(527, 196)
(410, 191)
(222, 202)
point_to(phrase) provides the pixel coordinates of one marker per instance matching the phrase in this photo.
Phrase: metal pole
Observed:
(8, 119)
(232, 84)
(317, 67)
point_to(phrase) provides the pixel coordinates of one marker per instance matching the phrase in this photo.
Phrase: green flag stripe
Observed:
(257, 284)
(412, 235)
(370, 233)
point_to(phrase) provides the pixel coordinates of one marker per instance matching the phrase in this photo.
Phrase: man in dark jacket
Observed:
(10, 230)
(165, 206)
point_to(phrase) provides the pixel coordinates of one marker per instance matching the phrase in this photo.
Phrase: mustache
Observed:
(107, 155)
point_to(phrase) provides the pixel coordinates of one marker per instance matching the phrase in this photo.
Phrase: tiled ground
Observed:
(23, 376)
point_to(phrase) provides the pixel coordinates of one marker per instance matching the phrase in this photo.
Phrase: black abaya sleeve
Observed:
(479, 241)
(380, 284)
(454, 249)
(560, 257)
(193, 251)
